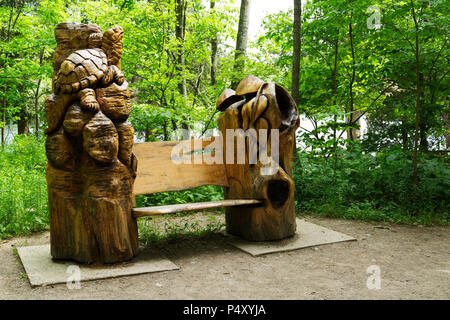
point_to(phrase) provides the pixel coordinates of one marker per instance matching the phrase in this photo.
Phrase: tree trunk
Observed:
(3, 124)
(354, 120)
(418, 94)
(334, 93)
(214, 44)
(352, 134)
(179, 33)
(91, 167)
(23, 124)
(241, 42)
(297, 51)
(36, 98)
(296, 60)
(423, 128)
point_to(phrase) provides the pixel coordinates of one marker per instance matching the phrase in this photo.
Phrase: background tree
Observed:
(241, 42)
(297, 51)
(214, 44)
(359, 65)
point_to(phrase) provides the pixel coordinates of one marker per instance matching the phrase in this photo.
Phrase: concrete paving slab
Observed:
(42, 270)
(308, 235)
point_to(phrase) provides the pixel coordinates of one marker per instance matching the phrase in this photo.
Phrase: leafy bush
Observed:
(23, 188)
(354, 185)
(200, 194)
(374, 187)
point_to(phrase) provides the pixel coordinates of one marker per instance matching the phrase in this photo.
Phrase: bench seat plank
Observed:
(156, 172)
(174, 208)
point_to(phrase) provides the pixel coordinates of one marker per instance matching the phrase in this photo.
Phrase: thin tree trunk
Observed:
(147, 133)
(423, 128)
(297, 51)
(214, 44)
(418, 90)
(241, 42)
(351, 131)
(36, 98)
(179, 33)
(166, 133)
(23, 124)
(296, 60)
(334, 90)
(180, 30)
(3, 118)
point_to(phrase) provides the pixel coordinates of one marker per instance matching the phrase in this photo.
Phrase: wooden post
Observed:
(91, 168)
(259, 105)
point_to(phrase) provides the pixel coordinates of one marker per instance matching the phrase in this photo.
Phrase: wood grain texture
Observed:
(250, 84)
(70, 37)
(157, 172)
(174, 208)
(115, 101)
(90, 170)
(267, 108)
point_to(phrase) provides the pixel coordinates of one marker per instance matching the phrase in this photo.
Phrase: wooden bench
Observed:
(94, 170)
(158, 173)
(259, 205)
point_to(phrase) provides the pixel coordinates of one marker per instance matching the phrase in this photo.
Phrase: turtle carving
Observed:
(84, 70)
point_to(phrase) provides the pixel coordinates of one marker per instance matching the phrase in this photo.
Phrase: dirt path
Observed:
(414, 264)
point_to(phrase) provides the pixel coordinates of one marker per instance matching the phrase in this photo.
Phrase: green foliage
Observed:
(23, 188)
(172, 228)
(200, 194)
(26, 48)
(348, 67)
(150, 57)
(365, 186)
(371, 71)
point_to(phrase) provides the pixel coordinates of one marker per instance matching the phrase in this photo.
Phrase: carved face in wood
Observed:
(112, 45)
(115, 101)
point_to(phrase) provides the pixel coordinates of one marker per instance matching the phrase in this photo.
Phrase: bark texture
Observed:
(90, 170)
(241, 40)
(297, 40)
(266, 106)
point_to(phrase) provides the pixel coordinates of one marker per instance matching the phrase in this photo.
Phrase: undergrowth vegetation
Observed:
(375, 187)
(200, 194)
(354, 185)
(23, 188)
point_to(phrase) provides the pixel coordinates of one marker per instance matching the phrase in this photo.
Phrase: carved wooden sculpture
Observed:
(91, 168)
(260, 105)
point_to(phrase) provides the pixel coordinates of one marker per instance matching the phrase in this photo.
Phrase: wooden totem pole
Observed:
(91, 167)
(254, 106)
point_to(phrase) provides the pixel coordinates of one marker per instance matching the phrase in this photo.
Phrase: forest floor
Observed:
(414, 264)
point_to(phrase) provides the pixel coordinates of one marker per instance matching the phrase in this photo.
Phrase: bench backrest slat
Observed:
(157, 172)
